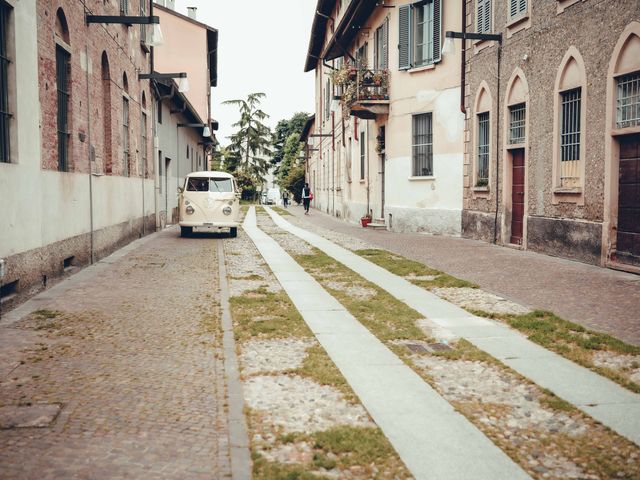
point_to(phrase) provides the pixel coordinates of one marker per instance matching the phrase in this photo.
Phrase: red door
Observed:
(517, 197)
(628, 241)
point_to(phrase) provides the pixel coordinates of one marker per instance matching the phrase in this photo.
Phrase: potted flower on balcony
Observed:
(378, 78)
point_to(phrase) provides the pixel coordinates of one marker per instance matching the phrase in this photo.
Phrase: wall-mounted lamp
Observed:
(183, 83)
(206, 130)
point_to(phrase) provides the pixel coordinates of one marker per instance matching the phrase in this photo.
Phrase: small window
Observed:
(160, 171)
(517, 114)
(5, 61)
(628, 100)
(143, 146)
(382, 46)
(517, 8)
(422, 145)
(63, 62)
(160, 112)
(363, 152)
(483, 16)
(482, 172)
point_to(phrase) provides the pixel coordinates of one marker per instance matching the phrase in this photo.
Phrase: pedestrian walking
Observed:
(307, 196)
(285, 198)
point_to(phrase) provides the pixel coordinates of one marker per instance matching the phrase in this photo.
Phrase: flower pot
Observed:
(365, 221)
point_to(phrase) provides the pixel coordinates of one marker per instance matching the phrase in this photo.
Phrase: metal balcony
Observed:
(372, 94)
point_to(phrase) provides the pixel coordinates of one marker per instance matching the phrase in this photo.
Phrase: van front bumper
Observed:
(210, 224)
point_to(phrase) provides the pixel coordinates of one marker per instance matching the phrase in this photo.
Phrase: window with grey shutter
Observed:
(404, 37)
(422, 145)
(517, 8)
(483, 16)
(385, 44)
(437, 30)
(124, 7)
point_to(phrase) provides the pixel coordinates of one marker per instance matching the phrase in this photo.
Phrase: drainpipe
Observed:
(154, 131)
(463, 59)
(366, 153)
(495, 220)
(92, 256)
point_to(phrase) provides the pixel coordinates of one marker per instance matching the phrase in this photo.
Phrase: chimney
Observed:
(192, 12)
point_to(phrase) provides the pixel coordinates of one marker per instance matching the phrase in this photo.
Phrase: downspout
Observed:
(366, 152)
(154, 130)
(495, 220)
(92, 255)
(463, 58)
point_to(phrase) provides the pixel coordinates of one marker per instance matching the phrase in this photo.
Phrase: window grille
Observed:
(628, 101)
(422, 145)
(517, 114)
(5, 114)
(63, 61)
(125, 135)
(570, 124)
(483, 16)
(363, 151)
(482, 177)
(517, 8)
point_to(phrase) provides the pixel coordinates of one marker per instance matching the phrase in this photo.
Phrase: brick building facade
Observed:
(104, 93)
(543, 131)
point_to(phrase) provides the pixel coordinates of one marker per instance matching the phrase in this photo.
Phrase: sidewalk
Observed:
(598, 298)
(120, 370)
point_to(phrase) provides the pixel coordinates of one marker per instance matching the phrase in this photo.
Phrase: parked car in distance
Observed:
(209, 200)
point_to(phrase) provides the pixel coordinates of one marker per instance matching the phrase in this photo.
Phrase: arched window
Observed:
(516, 105)
(126, 159)
(627, 79)
(482, 137)
(63, 89)
(106, 115)
(570, 125)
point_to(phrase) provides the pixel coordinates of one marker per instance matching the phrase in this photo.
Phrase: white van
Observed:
(209, 199)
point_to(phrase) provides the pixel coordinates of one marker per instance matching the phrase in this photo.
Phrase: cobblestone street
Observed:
(128, 364)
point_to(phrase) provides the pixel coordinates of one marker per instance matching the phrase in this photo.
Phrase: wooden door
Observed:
(628, 240)
(517, 196)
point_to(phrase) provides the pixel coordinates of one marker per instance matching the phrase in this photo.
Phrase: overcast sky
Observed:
(262, 48)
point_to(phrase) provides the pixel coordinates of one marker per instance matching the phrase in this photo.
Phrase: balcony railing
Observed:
(371, 85)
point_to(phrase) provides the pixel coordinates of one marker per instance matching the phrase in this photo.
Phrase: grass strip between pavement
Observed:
(598, 453)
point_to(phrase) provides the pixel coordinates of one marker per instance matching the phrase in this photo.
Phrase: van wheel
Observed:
(233, 232)
(186, 231)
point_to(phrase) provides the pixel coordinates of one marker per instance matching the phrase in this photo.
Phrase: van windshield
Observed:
(207, 184)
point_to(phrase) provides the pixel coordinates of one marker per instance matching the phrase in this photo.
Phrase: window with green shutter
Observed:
(420, 33)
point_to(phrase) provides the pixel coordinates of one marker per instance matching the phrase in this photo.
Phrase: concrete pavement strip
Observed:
(433, 440)
(602, 399)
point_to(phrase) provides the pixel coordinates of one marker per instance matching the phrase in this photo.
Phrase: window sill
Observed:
(514, 146)
(479, 45)
(518, 24)
(422, 68)
(567, 191)
(564, 4)
(480, 189)
(625, 130)
(422, 178)
(362, 181)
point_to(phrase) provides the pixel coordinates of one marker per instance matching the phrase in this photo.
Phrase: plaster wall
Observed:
(185, 50)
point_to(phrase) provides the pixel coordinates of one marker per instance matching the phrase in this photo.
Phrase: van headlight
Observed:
(227, 210)
(189, 210)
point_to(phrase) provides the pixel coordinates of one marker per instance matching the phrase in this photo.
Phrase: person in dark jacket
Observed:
(306, 198)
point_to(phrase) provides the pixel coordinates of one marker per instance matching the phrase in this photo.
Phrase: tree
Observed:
(283, 130)
(294, 182)
(291, 154)
(250, 144)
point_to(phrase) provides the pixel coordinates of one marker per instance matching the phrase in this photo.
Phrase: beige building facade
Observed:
(388, 135)
(553, 128)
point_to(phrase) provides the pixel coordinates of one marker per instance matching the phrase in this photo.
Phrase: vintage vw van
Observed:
(211, 200)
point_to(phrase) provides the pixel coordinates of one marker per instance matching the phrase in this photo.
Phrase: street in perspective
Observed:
(340, 240)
